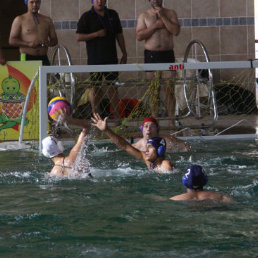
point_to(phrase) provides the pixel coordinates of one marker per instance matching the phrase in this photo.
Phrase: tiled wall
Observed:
(226, 27)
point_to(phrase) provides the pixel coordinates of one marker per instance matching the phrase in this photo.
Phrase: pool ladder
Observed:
(192, 92)
(65, 81)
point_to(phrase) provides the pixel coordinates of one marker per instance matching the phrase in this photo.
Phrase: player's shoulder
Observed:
(144, 14)
(167, 165)
(20, 18)
(180, 197)
(45, 18)
(170, 12)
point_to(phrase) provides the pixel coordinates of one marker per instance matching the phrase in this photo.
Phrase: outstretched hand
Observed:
(98, 122)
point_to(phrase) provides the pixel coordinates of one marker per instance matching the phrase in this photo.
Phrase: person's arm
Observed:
(171, 23)
(226, 198)
(15, 36)
(52, 41)
(90, 36)
(121, 43)
(77, 147)
(175, 144)
(2, 59)
(180, 197)
(79, 122)
(142, 31)
(118, 140)
(64, 118)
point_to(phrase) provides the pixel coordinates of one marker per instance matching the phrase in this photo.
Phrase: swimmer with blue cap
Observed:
(153, 157)
(194, 179)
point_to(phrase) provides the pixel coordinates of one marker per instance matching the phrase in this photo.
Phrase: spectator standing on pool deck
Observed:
(157, 26)
(33, 33)
(100, 28)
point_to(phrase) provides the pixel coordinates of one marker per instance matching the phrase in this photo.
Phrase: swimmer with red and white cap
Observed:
(153, 156)
(150, 129)
(194, 180)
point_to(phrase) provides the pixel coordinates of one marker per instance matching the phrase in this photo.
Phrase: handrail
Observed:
(24, 112)
(56, 51)
(210, 77)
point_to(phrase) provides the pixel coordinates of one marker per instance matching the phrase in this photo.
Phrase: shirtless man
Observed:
(150, 129)
(153, 157)
(2, 59)
(63, 165)
(157, 26)
(33, 33)
(194, 179)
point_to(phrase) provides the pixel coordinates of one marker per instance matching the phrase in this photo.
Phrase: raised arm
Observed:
(118, 140)
(77, 147)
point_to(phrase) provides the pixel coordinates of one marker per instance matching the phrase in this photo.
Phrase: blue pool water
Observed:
(124, 211)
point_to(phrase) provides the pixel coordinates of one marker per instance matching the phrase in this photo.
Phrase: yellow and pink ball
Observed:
(57, 106)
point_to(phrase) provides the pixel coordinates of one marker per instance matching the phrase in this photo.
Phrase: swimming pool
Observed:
(123, 211)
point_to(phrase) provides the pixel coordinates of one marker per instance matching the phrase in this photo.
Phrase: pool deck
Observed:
(227, 124)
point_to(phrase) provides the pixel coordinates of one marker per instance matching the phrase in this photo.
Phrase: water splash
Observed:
(81, 166)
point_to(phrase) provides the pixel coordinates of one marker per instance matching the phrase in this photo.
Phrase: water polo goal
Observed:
(204, 92)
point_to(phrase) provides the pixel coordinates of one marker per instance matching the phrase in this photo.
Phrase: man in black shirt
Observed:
(100, 27)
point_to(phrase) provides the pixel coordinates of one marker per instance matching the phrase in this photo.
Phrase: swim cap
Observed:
(26, 1)
(150, 119)
(51, 147)
(159, 144)
(195, 177)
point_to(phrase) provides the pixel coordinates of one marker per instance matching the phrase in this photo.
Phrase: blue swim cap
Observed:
(159, 144)
(195, 177)
(26, 1)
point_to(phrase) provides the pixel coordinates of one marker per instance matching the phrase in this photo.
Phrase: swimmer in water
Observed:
(153, 157)
(63, 165)
(195, 179)
(150, 129)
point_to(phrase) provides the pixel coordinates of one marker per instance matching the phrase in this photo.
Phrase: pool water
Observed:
(124, 211)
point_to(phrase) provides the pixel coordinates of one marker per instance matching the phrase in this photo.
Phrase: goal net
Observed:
(200, 93)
